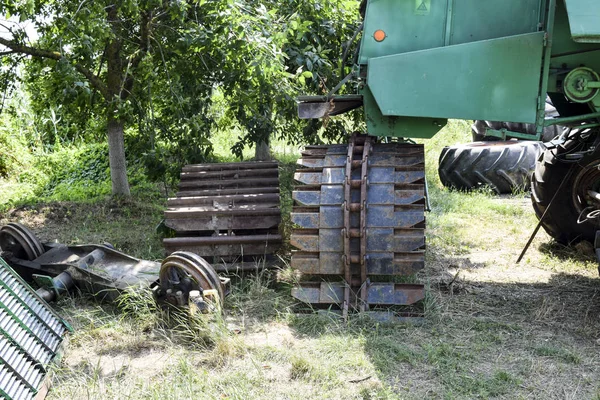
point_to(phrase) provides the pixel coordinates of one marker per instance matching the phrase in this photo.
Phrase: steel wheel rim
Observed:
(18, 239)
(588, 179)
(183, 265)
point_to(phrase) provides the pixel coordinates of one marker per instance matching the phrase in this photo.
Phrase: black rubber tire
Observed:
(561, 219)
(503, 166)
(479, 127)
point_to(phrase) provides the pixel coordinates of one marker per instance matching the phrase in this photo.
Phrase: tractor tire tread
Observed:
(503, 166)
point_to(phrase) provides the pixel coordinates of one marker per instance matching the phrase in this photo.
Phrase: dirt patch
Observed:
(145, 365)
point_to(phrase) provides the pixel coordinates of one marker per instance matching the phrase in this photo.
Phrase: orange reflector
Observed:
(379, 35)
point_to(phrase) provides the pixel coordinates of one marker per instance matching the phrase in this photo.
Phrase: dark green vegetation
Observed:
(160, 78)
(493, 329)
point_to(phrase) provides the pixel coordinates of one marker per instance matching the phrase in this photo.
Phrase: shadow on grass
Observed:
(582, 251)
(485, 340)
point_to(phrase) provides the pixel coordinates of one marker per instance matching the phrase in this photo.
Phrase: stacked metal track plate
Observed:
(227, 213)
(31, 335)
(360, 224)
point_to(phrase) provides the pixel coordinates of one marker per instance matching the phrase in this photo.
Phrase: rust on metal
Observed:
(227, 213)
(359, 216)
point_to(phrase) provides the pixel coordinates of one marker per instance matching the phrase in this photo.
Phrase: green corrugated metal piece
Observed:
(584, 19)
(31, 335)
(494, 79)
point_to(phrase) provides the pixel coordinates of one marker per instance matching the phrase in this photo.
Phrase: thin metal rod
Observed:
(539, 225)
(577, 118)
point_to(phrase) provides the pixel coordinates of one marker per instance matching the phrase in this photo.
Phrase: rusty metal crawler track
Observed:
(227, 213)
(360, 222)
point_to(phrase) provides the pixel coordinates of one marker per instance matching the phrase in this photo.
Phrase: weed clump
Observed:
(195, 330)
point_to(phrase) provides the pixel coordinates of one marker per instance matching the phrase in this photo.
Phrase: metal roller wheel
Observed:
(20, 241)
(183, 272)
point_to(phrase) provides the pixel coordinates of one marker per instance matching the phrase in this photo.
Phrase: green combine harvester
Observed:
(360, 211)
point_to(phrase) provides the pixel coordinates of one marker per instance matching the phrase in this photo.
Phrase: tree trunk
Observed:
(116, 157)
(263, 151)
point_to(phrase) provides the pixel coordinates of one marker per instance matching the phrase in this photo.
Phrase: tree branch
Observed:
(145, 23)
(53, 55)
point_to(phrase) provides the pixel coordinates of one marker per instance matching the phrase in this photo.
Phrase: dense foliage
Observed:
(170, 61)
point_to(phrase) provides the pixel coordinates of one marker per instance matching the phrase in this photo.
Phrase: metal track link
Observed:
(359, 217)
(226, 213)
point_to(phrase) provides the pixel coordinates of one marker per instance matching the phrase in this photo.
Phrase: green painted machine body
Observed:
(477, 59)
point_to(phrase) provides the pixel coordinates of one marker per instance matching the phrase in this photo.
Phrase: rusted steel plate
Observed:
(378, 216)
(232, 183)
(228, 251)
(305, 242)
(230, 174)
(390, 240)
(226, 245)
(224, 239)
(242, 209)
(230, 166)
(377, 293)
(326, 176)
(394, 175)
(223, 222)
(391, 216)
(377, 175)
(307, 198)
(375, 160)
(400, 264)
(409, 194)
(226, 192)
(395, 294)
(322, 196)
(260, 199)
(389, 193)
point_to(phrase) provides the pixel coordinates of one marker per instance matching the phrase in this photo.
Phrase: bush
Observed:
(79, 172)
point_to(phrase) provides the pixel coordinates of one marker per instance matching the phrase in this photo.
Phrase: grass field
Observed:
(494, 329)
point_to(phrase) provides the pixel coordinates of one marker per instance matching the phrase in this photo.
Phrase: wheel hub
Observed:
(182, 273)
(585, 187)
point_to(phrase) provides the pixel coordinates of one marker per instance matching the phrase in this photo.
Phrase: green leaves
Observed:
(169, 61)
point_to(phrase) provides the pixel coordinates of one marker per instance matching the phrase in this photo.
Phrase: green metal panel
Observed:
(495, 80)
(407, 28)
(406, 127)
(474, 20)
(412, 25)
(562, 42)
(584, 18)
